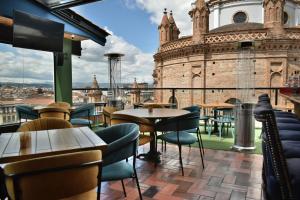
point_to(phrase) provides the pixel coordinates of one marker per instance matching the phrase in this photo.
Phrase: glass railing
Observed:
(130, 97)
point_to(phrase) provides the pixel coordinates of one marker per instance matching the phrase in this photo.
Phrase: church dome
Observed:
(238, 27)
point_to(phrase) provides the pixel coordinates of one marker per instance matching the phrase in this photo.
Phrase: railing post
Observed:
(173, 96)
(276, 96)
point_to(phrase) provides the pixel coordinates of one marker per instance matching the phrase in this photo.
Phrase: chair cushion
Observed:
(289, 135)
(288, 126)
(79, 121)
(294, 172)
(184, 137)
(194, 130)
(117, 171)
(287, 120)
(291, 149)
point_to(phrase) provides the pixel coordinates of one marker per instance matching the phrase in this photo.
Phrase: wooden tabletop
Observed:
(157, 113)
(23, 145)
(216, 105)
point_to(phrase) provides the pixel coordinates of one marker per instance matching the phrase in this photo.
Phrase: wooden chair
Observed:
(67, 176)
(60, 104)
(107, 111)
(54, 112)
(44, 124)
(145, 125)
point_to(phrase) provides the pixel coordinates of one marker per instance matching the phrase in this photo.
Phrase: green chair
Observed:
(224, 117)
(122, 140)
(174, 132)
(81, 116)
(26, 112)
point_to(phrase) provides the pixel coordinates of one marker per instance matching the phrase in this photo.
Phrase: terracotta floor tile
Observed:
(227, 175)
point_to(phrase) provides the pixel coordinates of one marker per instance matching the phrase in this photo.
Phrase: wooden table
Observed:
(157, 113)
(295, 100)
(216, 105)
(20, 146)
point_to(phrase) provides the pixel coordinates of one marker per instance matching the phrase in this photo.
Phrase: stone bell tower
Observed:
(164, 29)
(174, 31)
(274, 16)
(200, 17)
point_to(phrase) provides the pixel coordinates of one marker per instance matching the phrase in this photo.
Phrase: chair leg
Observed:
(99, 191)
(200, 151)
(165, 146)
(137, 183)
(123, 188)
(220, 132)
(180, 159)
(201, 141)
(210, 128)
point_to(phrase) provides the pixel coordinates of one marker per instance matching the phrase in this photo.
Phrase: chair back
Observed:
(275, 166)
(52, 112)
(192, 109)
(44, 124)
(53, 177)
(122, 141)
(60, 104)
(180, 123)
(145, 125)
(85, 110)
(26, 112)
(107, 111)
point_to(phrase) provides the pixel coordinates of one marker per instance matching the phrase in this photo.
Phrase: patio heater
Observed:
(114, 93)
(244, 119)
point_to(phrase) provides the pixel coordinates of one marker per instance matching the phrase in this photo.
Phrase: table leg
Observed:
(152, 155)
(3, 193)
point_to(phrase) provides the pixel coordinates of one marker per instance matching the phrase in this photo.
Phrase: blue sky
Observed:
(128, 21)
(133, 26)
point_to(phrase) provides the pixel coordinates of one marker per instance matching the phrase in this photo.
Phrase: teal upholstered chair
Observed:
(175, 133)
(81, 116)
(122, 140)
(26, 112)
(196, 109)
(224, 117)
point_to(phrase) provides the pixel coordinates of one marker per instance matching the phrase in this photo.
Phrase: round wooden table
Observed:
(157, 113)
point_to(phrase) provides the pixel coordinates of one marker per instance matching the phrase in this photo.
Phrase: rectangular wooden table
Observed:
(20, 146)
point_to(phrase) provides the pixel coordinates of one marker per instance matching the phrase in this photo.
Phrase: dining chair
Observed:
(223, 117)
(122, 141)
(196, 109)
(44, 124)
(107, 111)
(145, 125)
(60, 104)
(25, 112)
(53, 112)
(81, 116)
(66, 176)
(175, 133)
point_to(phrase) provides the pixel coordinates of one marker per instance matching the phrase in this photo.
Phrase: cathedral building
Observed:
(210, 56)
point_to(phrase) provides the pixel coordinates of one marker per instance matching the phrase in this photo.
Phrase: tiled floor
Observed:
(227, 175)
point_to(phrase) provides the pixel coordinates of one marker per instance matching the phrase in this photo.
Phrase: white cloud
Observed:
(180, 10)
(135, 63)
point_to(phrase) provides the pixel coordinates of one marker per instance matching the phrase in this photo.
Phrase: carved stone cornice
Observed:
(264, 45)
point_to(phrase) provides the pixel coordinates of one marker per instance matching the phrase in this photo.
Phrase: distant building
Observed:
(136, 93)
(95, 93)
(209, 57)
